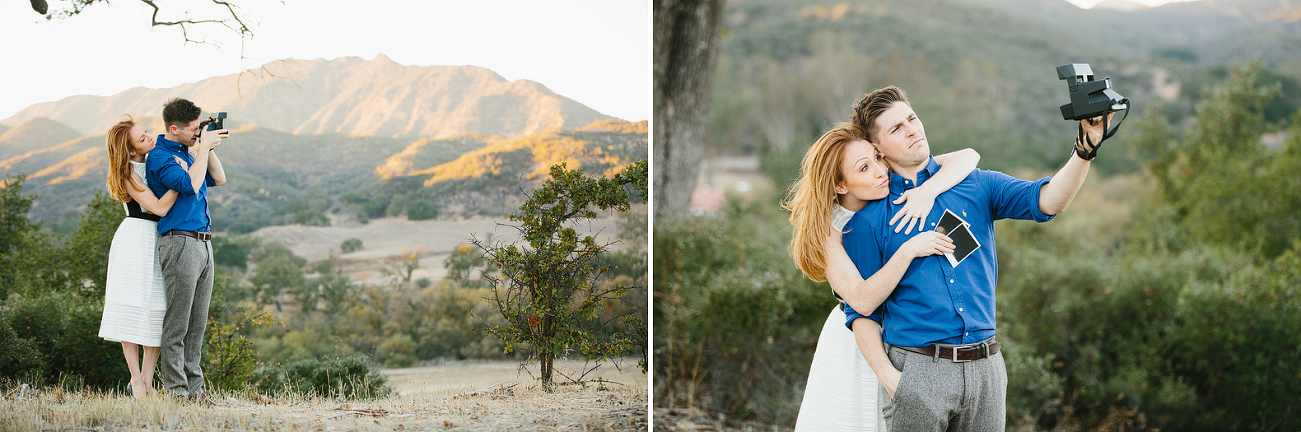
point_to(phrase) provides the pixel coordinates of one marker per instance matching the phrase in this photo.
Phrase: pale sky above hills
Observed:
(596, 52)
(1149, 3)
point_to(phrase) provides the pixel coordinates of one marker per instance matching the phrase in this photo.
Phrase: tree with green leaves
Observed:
(549, 290)
(14, 229)
(31, 261)
(280, 272)
(1203, 172)
(463, 261)
(87, 251)
(351, 245)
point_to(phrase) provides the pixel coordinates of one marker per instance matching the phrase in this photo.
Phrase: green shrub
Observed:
(1194, 340)
(736, 322)
(351, 245)
(398, 351)
(63, 329)
(229, 359)
(350, 378)
(20, 360)
(228, 253)
(421, 209)
(1239, 348)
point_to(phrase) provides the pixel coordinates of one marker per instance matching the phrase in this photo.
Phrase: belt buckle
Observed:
(955, 356)
(204, 236)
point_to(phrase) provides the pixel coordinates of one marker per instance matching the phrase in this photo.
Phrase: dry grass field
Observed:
(384, 239)
(451, 397)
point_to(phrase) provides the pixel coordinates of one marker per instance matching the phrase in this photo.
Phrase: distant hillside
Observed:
(602, 148)
(1205, 31)
(278, 178)
(981, 73)
(347, 96)
(33, 134)
(487, 181)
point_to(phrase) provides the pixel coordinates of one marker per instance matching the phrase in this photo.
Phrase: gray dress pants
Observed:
(946, 396)
(188, 271)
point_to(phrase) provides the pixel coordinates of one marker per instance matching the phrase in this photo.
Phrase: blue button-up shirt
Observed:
(190, 213)
(936, 302)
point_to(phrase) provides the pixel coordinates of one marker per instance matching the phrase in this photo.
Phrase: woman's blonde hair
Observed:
(118, 140)
(812, 198)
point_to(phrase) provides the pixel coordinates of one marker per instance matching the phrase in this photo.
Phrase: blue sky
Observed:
(596, 52)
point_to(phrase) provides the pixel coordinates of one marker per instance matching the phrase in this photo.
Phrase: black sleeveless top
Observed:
(133, 210)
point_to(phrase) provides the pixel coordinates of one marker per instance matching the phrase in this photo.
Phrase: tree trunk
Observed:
(686, 43)
(546, 360)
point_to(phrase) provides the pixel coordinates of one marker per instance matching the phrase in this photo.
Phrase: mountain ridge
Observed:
(278, 178)
(348, 96)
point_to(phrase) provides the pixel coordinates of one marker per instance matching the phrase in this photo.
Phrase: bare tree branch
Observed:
(243, 29)
(235, 22)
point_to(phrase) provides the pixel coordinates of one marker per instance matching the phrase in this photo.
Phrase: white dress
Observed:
(842, 392)
(134, 301)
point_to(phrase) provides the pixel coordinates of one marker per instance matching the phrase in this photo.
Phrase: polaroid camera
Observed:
(1089, 97)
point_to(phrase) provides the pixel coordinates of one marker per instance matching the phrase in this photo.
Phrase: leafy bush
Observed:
(736, 322)
(350, 378)
(1239, 349)
(398, 351)
(351, 245)
(228, 253)
(63, 329)
(421, 209)
(20, 360)
(229, 359)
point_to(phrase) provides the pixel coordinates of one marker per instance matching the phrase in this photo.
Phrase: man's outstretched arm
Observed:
(1055, 196)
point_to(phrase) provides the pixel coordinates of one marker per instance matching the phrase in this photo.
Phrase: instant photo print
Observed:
(960, 231)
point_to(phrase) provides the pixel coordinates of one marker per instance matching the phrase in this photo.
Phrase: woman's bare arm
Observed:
(215, 170)
(867, 334)
(156, 205)
(867, 294)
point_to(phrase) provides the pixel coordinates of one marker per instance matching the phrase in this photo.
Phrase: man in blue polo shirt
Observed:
(939, 321)
(184, 251)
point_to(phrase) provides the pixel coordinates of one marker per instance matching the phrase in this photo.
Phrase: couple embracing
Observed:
(919, 353)
(160, 267)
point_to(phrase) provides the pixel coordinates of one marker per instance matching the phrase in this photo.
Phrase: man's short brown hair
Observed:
(867, 109)
(180, 112)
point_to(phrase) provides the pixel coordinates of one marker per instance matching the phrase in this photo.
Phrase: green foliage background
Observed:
(1165, 298)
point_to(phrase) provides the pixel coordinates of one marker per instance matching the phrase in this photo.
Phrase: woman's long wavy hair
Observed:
(118, 141)
(812, 198)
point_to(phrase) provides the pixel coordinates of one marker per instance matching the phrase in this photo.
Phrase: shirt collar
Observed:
(170, 145)
(900, 184)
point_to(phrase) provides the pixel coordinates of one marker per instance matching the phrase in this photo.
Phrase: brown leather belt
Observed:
(958, 353)
(202, 236)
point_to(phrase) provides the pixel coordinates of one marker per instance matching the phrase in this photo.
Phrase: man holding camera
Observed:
(184, 250)
(939, 322)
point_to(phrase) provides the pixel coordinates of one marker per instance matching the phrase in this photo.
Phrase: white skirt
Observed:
(134, 301)
(842, 391)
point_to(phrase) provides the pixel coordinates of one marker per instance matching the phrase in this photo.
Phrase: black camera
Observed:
(213, 123)
(1089, 97)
